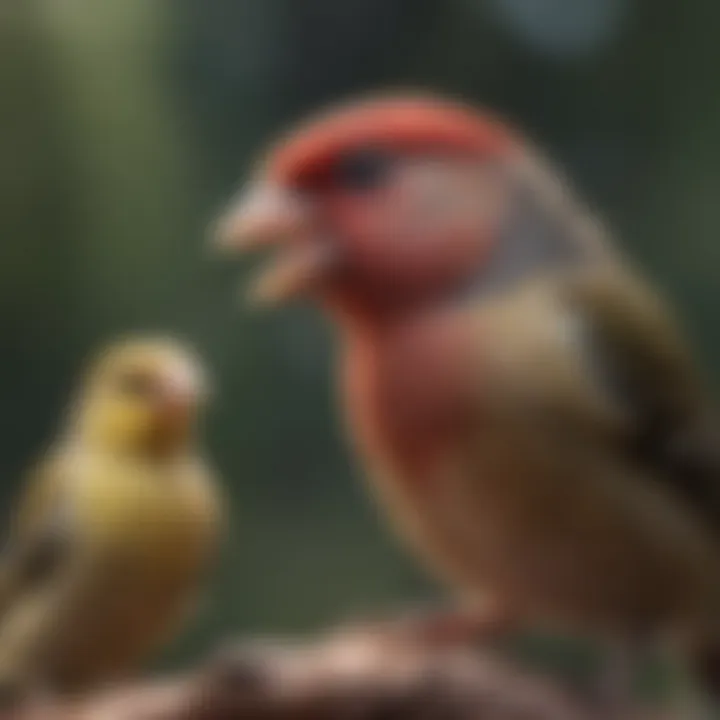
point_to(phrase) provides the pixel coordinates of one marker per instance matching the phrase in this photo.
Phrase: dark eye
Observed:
(137, 384)
(363, 169)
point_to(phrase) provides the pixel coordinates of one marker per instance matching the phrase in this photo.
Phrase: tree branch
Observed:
(380, 672)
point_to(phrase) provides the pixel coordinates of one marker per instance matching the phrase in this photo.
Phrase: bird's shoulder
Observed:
(603, 329)
(598, 359)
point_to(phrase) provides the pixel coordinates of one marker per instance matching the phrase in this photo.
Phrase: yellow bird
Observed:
(117, 527)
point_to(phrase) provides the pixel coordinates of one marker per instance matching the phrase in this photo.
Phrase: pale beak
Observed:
(269, 216)
(182, 389)
(263, 215)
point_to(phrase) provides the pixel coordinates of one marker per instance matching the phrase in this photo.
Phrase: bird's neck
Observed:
(371, 317)
(403, 384)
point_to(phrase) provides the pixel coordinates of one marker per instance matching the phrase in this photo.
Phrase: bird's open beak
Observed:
(267, 216)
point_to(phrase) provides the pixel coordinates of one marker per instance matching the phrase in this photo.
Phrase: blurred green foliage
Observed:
(125, 125)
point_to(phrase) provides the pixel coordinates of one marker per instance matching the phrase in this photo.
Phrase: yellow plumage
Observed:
(114, 534)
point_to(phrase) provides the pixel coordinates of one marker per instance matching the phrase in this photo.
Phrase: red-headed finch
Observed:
(526, 406)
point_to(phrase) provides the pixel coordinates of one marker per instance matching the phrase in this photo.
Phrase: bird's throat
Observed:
(404, 389)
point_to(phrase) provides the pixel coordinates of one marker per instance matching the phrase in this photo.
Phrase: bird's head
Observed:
(376, 204)
(141, 396)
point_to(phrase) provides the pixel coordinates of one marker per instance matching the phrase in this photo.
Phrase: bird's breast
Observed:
(405, 392)
(407, 400)
(156, 521)
(149, 536)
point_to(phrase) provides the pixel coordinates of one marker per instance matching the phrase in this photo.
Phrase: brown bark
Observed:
(381, 672)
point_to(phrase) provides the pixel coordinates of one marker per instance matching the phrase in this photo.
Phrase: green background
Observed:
(125, 125)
